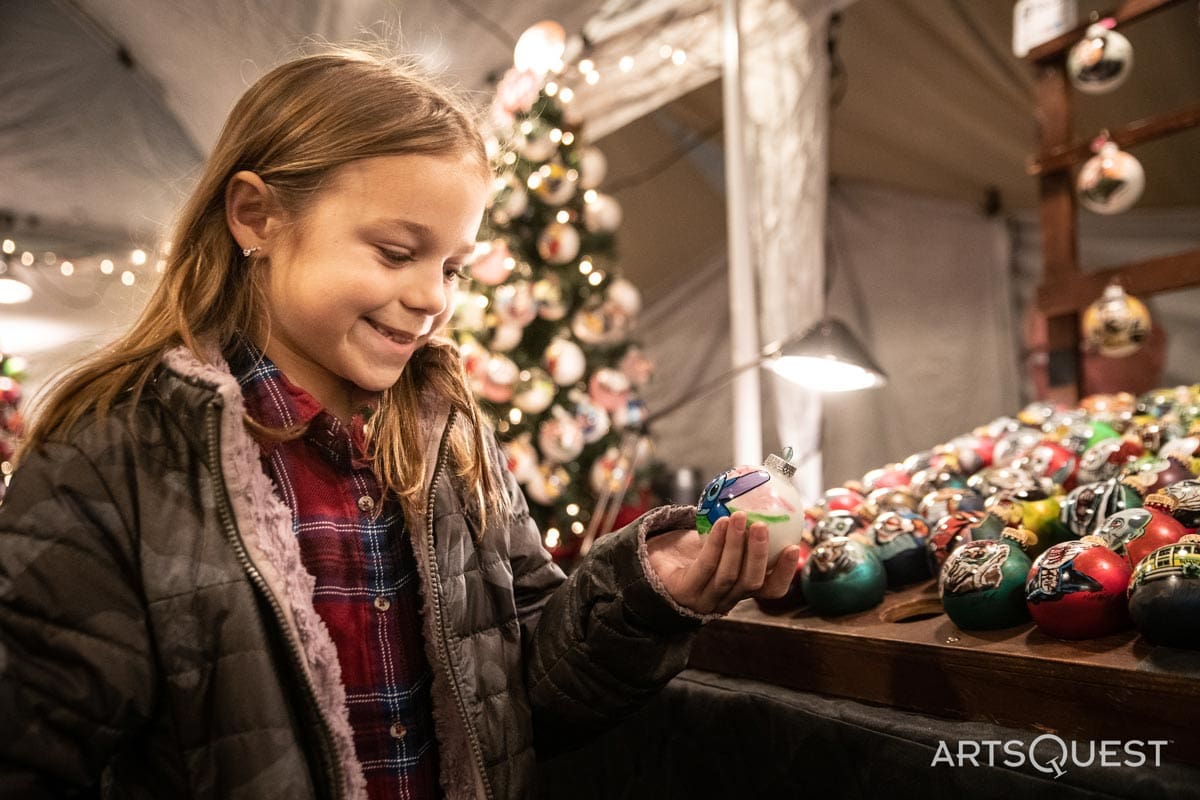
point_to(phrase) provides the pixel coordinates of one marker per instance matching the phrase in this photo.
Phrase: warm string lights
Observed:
(40, 264)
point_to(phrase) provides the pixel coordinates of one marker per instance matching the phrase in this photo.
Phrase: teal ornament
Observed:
(899, 540)
(982, 585)
(843, 577)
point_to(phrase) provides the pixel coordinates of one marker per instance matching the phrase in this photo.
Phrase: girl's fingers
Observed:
(780, 577)
(700, 572)
(730, 567)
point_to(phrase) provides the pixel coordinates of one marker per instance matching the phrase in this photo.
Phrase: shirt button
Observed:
(397, 730)
(382, 603)
(365, 503)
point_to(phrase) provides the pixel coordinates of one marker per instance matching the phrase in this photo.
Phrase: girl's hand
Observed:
(713, 572)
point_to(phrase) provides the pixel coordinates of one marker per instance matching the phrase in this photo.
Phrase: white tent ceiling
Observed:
(107, 107)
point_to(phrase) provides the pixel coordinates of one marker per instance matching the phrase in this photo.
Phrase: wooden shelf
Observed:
(1124, 13)
(1116, 687)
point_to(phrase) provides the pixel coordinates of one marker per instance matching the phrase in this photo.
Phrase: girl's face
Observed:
(361, 279)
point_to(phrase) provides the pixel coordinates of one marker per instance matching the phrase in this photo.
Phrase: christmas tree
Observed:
(12, 370)
(544, 325)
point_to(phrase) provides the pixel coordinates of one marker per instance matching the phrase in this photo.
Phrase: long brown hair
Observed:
(293, 127)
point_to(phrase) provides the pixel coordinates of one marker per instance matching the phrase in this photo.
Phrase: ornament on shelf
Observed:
(1104, 460)
(940, 502)
(1101, 60)
(889, 477)
(843, 576)
(558, 243)
(951, 532)
(1117, 324)
(493, 263)
(593, 166)
(1087, 507)
(1164, 595)
(1151, 475)
(534, 391)
(843, 499)
(1187, 498)
(1111, 181)
(885, 498)
(841, 523)
(899, 540)
(982, 585)
(1076, 590)
(560, 437)
(565, 361)
(765, 494)
(1136, 532)
(556, 184)
(602, 214)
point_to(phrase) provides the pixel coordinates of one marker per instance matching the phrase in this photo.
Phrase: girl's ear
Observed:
(251, 212)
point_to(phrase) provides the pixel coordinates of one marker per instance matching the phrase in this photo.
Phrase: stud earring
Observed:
(246, 251)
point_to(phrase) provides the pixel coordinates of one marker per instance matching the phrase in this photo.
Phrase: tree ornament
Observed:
(547, 484)
(558, 243)
(500, 377)
(521, 457)
(560, 438)
(593, 167)
(1102, 60)
(1111, 181)
(1117, 324)
(603, 477)
(549, 299)
(505, 337)
(534, 142)
(982, 585)
(556, 185)
(1076, 590)
(513, 303)
(493, 263)
(600, 322)
(564, 360)
(602, 214)
(637, 366)
(534, 391)
(509, 201)
(1164, 595)
(843, 576)
(632, 414)
(609, 388)
(626, 297)
(470, 312)
(766, 494)
(592, 418)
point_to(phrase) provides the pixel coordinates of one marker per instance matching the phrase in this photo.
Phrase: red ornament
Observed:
(889, 477)
(1161, 530)
(844, 500)
(1054, 461)
(1076, 590)
(951, 531)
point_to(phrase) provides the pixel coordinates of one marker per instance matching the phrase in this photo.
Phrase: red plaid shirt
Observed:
(366, 575)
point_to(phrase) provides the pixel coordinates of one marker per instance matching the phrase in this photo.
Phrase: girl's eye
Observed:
(396, 256)
(454, 274)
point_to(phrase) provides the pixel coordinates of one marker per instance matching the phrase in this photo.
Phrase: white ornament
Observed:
(1101, 61)
(602, 214)
(1110, 181)
(534, 391)
(593, 166)
(626, 296)
(506, 336)
(565, 362)
(560, 438)
(558, 243)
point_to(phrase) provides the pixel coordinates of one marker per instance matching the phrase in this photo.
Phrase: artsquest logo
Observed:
(1049, 753)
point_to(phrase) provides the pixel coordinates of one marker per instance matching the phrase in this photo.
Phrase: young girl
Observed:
(264, 545)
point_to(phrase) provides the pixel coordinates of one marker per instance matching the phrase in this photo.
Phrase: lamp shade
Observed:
(828, 358)
(14, 290)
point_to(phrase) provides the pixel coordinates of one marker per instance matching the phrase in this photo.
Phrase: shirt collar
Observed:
(273, 401)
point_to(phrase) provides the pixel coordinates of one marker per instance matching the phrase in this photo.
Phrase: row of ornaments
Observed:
(839, 567)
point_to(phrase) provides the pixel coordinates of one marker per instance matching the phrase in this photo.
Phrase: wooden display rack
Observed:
(907, 654)
(1066, 291)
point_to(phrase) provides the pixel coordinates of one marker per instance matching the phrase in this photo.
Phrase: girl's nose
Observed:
(425, 292)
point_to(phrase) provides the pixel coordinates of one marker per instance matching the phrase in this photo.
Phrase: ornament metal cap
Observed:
(1161, 500)
(781, 464)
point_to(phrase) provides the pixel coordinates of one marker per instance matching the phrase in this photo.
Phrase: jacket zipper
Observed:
(225, 512)
(435, 586)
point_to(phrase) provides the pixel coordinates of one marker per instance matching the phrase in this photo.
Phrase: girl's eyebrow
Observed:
(423, 231)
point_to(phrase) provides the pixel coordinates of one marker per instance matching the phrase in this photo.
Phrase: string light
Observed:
(586, 66)
(27, 258)
(556, 135)
(625, 64)
(551, 89)
(49, 258)
(592, 78)
(678, 57)
(565, 94)
(595, 278)
(562, 216)
(9, 246)
(106, 266)
(585, 266)
(568, 138)
(551, 537)
(665, 51)
(138, 257)
(128, 278)
(577, 527)
(572, 509)
(590, 196)
(514, 414)
(67, 268)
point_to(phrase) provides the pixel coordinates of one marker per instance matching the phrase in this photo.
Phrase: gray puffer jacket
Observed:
(158, 637)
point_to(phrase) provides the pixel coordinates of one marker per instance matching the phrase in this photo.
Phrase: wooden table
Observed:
(907, 654)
